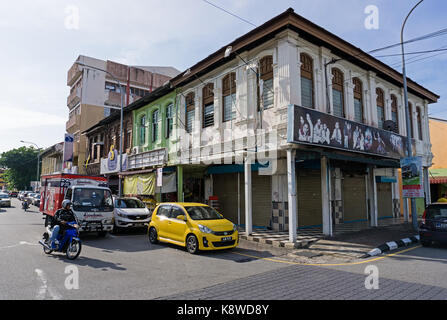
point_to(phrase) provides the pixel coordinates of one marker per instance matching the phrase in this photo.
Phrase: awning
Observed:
(438, 180)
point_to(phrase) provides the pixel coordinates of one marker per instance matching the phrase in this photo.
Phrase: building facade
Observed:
(93, 93)
(236, 113)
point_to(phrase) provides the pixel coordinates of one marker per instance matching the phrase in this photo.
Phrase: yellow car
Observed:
(195, 226)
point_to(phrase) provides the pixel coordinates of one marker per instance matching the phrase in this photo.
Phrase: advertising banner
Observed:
(143, 184)
(68, 147)
(112, 164)
(308, 126)
(412, 177)
(159, 177)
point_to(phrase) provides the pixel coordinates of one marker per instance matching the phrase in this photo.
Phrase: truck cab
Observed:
(93, 207)
(91, 198)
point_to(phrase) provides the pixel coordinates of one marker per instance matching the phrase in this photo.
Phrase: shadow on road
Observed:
(90, 262)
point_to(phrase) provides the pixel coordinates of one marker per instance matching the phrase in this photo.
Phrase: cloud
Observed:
(17, 118)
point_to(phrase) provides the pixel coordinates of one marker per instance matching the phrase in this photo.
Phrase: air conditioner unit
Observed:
(136, 150)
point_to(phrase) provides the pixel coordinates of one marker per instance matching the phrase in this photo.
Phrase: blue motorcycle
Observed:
(69, 242)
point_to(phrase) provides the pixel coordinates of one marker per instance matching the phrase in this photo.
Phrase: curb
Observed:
(392, 245)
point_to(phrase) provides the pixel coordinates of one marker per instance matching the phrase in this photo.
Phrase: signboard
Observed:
(412, 177)
(159, 177)
(68, 148)
(308, 126)
(111, 163)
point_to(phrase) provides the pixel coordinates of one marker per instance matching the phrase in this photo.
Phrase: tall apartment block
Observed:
(93, 91)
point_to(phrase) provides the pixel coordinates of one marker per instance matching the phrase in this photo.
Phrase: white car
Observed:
(5, 200)
(130, 212)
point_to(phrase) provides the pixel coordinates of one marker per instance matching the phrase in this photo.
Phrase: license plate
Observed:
(227, 238)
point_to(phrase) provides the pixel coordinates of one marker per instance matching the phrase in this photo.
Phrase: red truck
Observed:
(91, 198)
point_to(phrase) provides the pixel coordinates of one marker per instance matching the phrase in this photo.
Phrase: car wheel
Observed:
(153, 237)
(192, 245)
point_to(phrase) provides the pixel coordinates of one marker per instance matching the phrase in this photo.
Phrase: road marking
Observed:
(42, 292)
(327, 264)
(20, 244)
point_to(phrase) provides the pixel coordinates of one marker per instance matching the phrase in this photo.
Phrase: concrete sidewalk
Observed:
(343, 247)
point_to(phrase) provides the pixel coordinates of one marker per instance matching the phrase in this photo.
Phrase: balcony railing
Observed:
(74, 98)
(73, 123)
(73, 74)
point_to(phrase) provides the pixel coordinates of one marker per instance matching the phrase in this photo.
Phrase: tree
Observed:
(21, 167)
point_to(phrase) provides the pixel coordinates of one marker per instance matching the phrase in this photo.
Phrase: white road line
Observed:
(20, 244)
(42, 292)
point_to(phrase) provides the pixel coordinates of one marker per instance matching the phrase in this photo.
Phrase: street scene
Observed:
(296, 156)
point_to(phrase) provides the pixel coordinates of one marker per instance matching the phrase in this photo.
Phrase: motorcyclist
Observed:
(59, 222)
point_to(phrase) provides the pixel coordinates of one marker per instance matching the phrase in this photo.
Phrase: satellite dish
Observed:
(390, 125)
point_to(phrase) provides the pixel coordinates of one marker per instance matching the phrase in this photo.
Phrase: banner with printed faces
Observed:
(308, 126)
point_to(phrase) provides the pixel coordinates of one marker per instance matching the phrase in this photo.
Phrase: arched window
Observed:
(307, 81)
(380, 102)
(229, 97)
(266, 77)
(169, 119)
(190, 111)
(410, 111)
(208, 105)
(419, 122)
(338, 92)
(142, 137)
(395, 112)
(358, 100)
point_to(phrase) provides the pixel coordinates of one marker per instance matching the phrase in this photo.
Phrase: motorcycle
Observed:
(69, 242)
(25, 205)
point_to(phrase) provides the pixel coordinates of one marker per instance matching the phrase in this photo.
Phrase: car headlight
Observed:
(234, 227)
(205, 229)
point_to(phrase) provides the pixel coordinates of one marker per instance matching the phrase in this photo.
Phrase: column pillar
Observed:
(291, 187)
(248, 197)
(427, 185)
(372, 197)
(180, 184)
(325, 192)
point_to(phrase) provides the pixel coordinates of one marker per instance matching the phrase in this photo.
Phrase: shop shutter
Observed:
(354, 197)
(384, 200)
(261, 199)
(309, 197)
(225, 188)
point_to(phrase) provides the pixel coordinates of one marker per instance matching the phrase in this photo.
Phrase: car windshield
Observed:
(90, 199)
(436, 212)
(203, 213)
(129, 204)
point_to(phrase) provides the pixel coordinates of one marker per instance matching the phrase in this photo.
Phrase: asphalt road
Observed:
(127, 266)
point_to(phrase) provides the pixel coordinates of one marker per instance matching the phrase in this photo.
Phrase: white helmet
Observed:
(66, 203)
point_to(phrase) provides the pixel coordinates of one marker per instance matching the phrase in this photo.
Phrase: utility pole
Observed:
(414, 216)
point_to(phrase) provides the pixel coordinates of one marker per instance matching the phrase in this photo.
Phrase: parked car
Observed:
(195, 226)
(434, 224)
(35, 200)
(22, 194)
(130, 212)
(5, 200)
(13, 194)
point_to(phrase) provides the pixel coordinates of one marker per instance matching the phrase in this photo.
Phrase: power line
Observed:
(230, 13)
(414, 52)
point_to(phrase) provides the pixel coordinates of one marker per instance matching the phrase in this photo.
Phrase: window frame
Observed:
(228, 83)
(169, 119)
(307, 72)
(337, 74)
(358, 94)
(265, 74)
(142, 130)
(155, 125)
(380, 104)
(419, 123)
(207, 100)
(190, 106)
(395, 110)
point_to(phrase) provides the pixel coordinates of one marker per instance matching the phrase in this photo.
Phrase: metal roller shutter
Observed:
(354, 198)
(262, 199)
(225, 188)
(384, 200)
(309, 197)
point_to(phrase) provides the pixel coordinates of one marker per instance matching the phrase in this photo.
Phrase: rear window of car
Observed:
(436, 212)
(3, 196)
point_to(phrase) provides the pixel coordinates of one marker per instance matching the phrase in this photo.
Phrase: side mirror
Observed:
(181, 217)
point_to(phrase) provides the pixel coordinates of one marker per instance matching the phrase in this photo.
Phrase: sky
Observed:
(40, 40)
